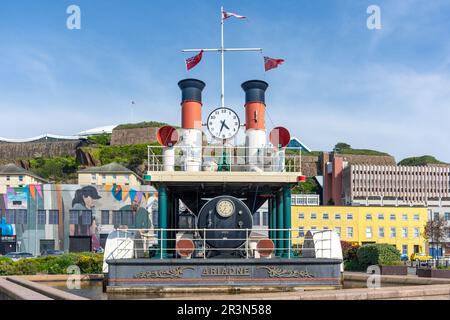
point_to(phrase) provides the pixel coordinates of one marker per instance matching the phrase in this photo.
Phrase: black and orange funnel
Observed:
(191, 103)
(255, 104)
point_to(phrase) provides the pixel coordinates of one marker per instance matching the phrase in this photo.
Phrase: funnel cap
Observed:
(191, 89)
(255, 91)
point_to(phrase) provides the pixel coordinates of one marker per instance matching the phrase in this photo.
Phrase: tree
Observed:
(341, 146)
(435, 232)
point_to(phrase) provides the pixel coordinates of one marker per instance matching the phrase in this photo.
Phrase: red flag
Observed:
(227, 15)
(270, 63)
(193, 61)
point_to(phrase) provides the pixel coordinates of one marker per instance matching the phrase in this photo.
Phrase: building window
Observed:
(325, 228)
(368, 216)
(404, 232)
(393, 232)
(265, 218)
(416, 232)
(117, 218)
(105, 216)
(301, 215)
(42, 217)
(123, 217)
(313, 216)
(381, 232)
(325, 216)
(404, 217)
(392, 217)
(405, 249)
(301, 232)
(22, 216)
(93, 177)
(436, 216)
(257, 219)
(447, 216)
(350, 232)
(337, 216)
(369, 233)
(8, 178)
(10, 216)
(338, 231)
(381, 216)
(53, 217)
(416, 217)
(349, 216)
(86, 217)
(313, 228)
(21, 178)
(127, 217)
(73, 216)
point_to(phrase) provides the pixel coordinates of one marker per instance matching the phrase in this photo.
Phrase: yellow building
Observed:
(15, 176)
(399, 226)
(112, 173)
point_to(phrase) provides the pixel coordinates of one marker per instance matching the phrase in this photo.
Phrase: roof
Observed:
(296, 143)
(12, 169)
(98, 130)
(113, 167)
(42, 138)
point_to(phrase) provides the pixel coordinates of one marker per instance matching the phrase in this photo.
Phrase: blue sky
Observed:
(385, 89)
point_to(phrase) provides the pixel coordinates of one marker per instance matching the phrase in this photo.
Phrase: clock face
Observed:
(225, 208)
(223, 123)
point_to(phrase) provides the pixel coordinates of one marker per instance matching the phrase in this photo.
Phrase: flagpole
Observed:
(223, 59)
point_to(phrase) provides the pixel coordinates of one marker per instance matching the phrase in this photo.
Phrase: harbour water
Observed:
(94, 290)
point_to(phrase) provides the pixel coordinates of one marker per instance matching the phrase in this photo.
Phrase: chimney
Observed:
(255, 104)
(191, 103)
(255, 124)
(191, 123)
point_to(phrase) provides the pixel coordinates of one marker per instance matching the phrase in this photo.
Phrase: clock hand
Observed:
(223, 124)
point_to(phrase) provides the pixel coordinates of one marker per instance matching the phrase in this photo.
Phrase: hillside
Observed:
(344, 148)
(420, 161)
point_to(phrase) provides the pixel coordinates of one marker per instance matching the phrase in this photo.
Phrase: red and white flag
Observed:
(227, 15)
(193, 61)
(270, 63)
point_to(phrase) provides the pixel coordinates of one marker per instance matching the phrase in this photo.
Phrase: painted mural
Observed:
(56, 214)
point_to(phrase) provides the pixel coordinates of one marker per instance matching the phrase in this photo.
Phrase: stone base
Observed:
(158, 275)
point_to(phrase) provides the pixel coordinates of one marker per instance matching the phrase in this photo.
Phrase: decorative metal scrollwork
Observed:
(162, 274)
(275, 272)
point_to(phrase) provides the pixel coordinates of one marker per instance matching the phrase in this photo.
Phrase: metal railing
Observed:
(161, 243)
(224, 158)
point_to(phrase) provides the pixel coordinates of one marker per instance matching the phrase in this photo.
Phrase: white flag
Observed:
(227, 15)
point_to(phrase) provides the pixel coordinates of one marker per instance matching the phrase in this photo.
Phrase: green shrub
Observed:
(26, 267)
(57, 169)
(148, 124)
(378, 254)
(87, 262)
(353, 265)
(419, 161)
(349, 250)
(103, 139)
(6, 266)
(90, 263)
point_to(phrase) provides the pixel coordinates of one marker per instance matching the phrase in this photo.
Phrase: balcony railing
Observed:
(224, 158)
(153, 243)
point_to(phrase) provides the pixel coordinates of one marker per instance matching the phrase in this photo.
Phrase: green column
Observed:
(280, 224)
(287, 219)
(162, 220)
(270, 219)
